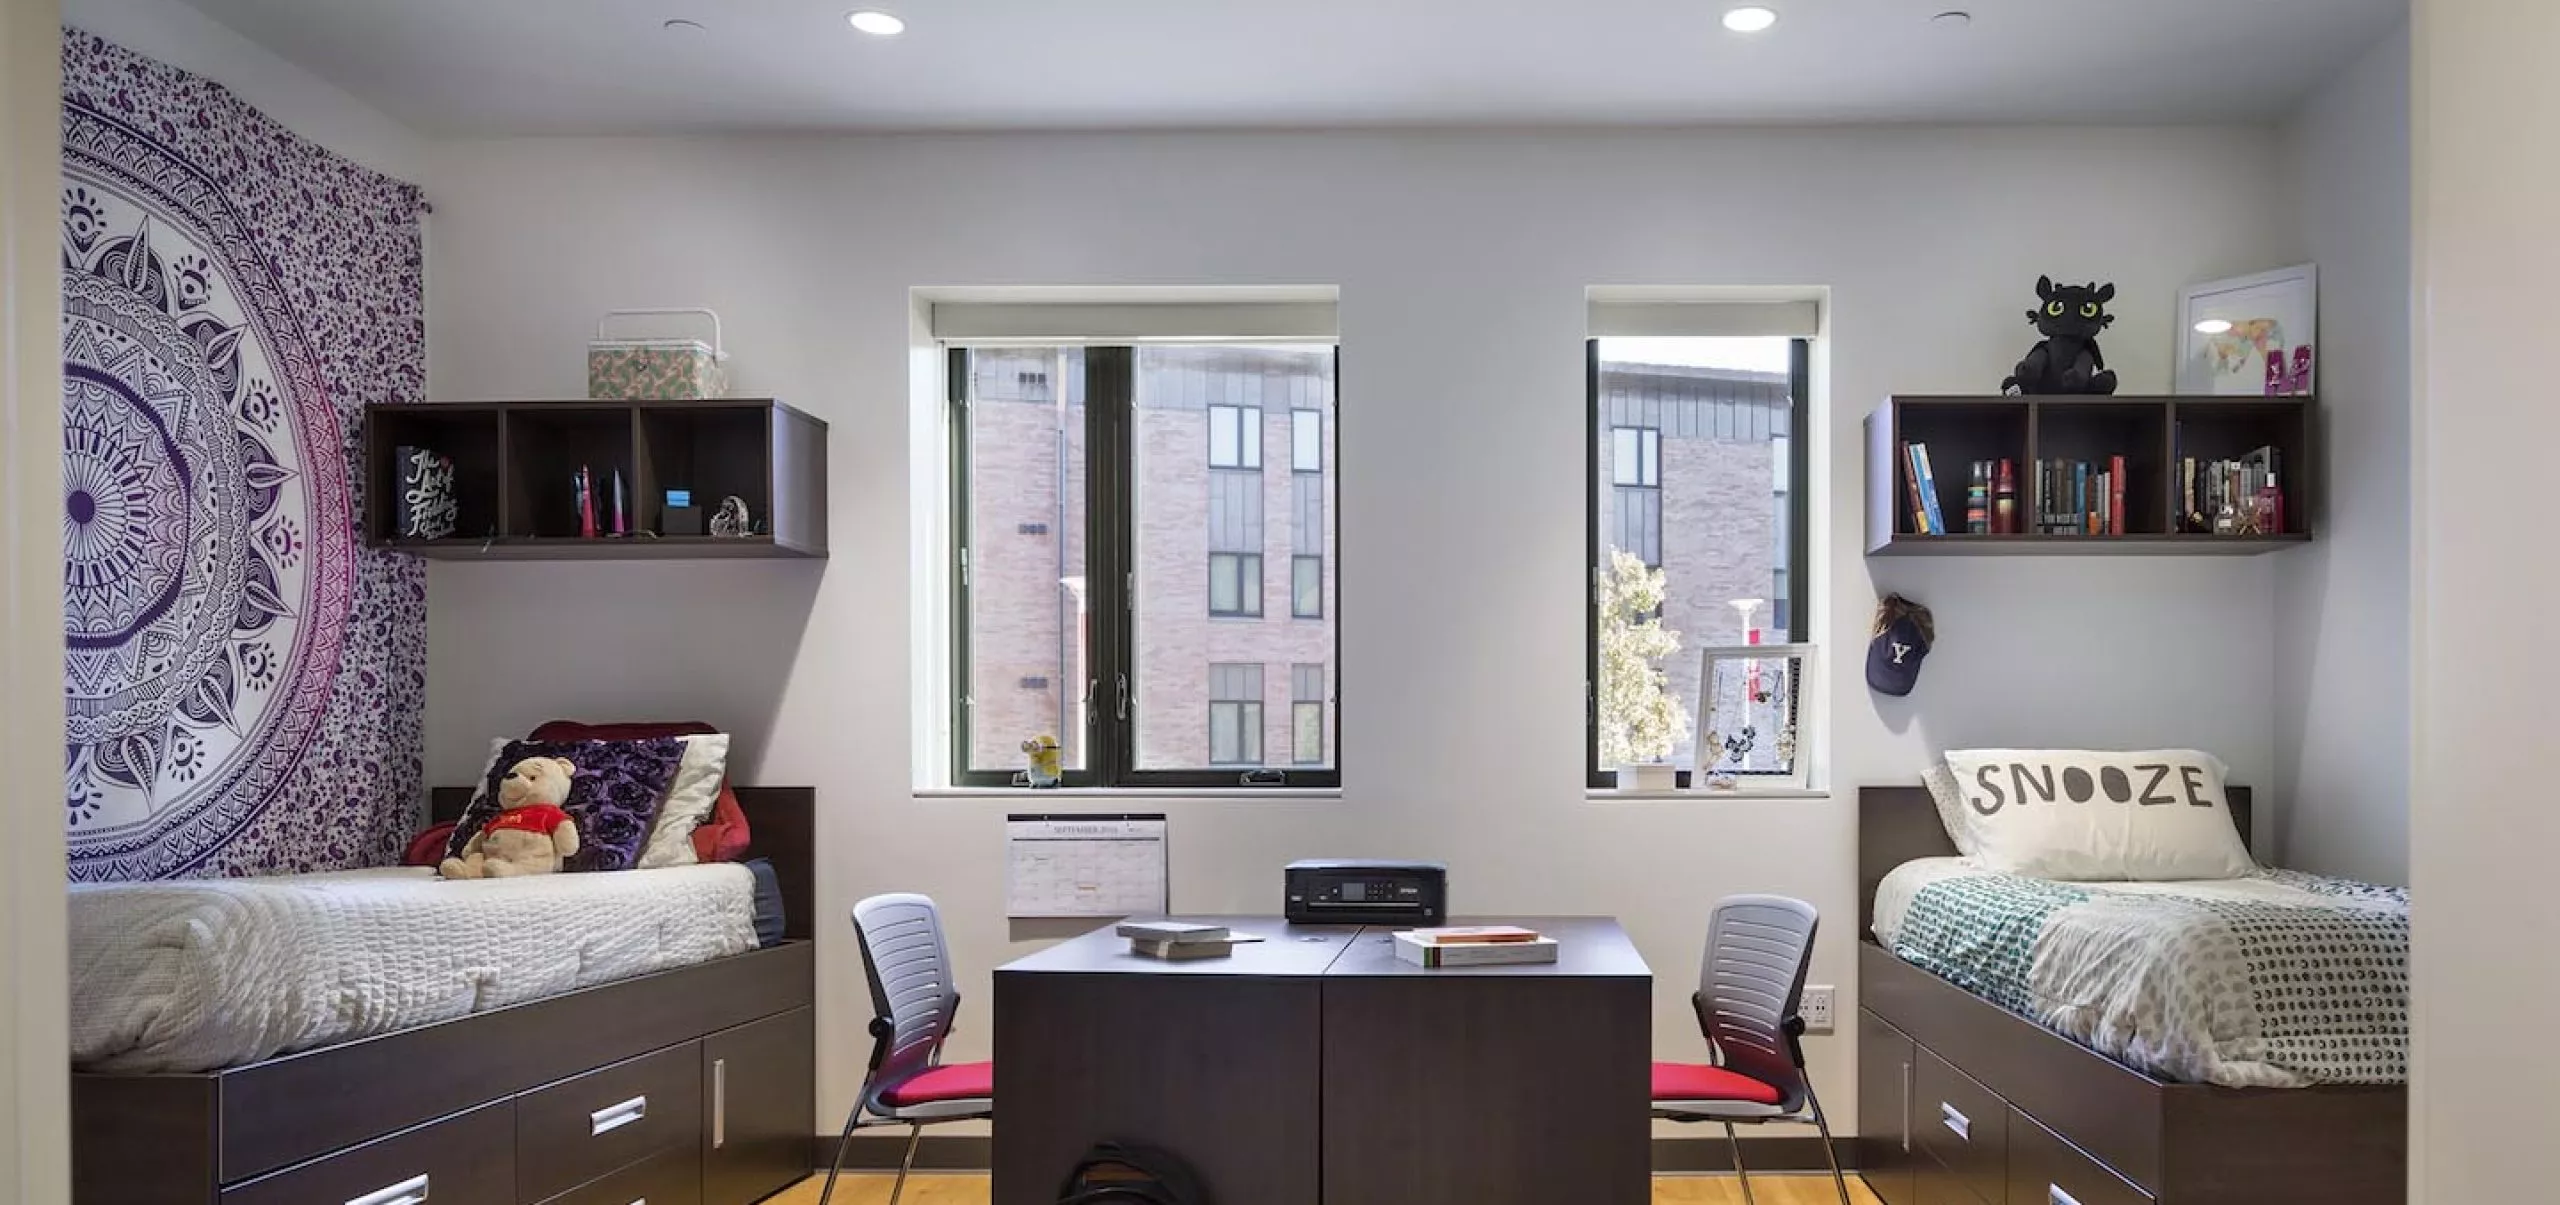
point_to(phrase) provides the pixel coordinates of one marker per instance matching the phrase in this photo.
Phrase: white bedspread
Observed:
(202, 974)
(2277, 980)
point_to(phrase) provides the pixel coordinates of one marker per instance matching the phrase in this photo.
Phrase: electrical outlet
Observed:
(1815, 1008)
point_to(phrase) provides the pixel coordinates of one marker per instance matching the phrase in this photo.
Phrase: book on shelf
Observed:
(2004, 499)
(2115, 495)
(1422, 952)
(2241, 497)
(1977, 499)
(2081, 497)
(1911, 485)
(1177, 931)
(1929, 490)
(1181, 951)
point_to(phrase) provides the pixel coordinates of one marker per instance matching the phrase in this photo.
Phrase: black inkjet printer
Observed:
(1366, 891)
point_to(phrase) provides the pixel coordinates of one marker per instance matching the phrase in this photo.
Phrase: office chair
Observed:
(913, 1005)
(1758, 949)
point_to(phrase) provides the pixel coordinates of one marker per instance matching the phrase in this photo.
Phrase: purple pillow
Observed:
(614, 796)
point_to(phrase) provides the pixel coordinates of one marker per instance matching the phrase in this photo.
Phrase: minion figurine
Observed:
(1045, 769)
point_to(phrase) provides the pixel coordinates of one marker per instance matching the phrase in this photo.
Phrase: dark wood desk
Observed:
(1315, 1068)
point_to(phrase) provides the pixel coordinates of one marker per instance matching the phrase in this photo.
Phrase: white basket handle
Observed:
(719, 349)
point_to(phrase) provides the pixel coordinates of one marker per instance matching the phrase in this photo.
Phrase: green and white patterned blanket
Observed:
(2279, 980)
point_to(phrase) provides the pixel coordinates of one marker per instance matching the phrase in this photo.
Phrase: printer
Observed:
(1366, 891)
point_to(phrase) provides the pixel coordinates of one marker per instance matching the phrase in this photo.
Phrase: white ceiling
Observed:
(606, 66)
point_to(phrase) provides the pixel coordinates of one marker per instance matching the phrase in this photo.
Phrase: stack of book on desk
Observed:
(1474, 946)
(1178, 940)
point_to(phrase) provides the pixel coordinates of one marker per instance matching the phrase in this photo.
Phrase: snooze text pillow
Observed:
(2089, 816)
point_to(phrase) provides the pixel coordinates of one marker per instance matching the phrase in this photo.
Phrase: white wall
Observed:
(2483, 831)
(1462, 262)
(34, 1138)
(2342, 636)
(183, 37)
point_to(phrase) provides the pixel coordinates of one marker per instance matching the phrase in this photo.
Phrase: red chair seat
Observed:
(1691, 1081)
(951, 1081)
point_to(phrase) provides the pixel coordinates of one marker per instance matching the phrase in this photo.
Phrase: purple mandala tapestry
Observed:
(245, 681)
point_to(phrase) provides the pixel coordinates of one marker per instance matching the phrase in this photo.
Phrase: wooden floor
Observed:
(1667, 1190)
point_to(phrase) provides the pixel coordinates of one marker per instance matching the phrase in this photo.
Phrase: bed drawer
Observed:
(578, 1129)
(467, 1157)
(2045, 1170)
(670, 1177)
(1961, 1123)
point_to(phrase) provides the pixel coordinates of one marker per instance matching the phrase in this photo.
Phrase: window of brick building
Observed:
(1696, 476)
(1110, 509)
(1306, 715)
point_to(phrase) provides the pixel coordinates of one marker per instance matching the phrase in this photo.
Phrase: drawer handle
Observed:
(1959, 1123)
(407, 1192)
(613, 1117)
(2055, 1196)
(719, 1107)
(1906, 1107)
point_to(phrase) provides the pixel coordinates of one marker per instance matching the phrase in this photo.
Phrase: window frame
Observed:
(1248, 602)
(1110, 388)
(1298, 561)
(1248, 442)
(1798, 520)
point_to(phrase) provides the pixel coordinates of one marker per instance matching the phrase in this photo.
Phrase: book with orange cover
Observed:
(1463, 935)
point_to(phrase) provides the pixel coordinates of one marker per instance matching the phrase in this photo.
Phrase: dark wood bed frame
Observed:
(1962, 1102)
(528, 1105)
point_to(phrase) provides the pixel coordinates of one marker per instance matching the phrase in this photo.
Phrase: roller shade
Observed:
(1690, 319)
(998, 322)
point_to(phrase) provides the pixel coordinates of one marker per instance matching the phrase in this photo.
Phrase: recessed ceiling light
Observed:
(878, 24)
(1750, 19)
(2214, 326)
(680, 25)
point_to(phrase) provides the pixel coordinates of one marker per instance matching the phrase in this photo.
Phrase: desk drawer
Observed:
(580, 1128)
(2045, 1170)
(1963, 1124)
(670, 1177)
(466, 1157)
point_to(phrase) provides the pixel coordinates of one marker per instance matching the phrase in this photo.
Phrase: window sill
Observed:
(1028, 794)
(1616, 796)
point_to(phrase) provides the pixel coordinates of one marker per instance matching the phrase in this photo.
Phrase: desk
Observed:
(1314, 1068)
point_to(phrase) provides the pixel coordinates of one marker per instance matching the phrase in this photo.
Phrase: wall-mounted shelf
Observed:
(513, 463)
(2150, 433)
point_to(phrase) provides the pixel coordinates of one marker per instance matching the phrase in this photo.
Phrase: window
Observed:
(1306, 715)
(1306, 441)
(1235, 715)
(1111, 551)
(1235, 437)
(1695, 470)
(1235, 585)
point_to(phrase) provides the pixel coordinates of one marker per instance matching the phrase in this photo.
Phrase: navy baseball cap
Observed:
(1904, 631)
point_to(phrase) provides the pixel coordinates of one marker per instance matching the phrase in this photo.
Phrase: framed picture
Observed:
(2251, 335)
(1750, 717)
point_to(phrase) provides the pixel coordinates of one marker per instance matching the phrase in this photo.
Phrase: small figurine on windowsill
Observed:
(1046, 767)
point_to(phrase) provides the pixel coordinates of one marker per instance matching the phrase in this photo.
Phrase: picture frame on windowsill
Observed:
(1752, 725)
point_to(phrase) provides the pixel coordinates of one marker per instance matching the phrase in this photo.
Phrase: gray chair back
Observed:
(1758, 950)
(912, 994)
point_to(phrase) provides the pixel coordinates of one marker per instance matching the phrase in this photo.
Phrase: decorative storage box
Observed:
(657, 369)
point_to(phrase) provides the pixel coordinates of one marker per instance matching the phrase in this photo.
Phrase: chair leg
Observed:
(1823, 1124)
(1739, 1172)
(842, 1141)
(915, 1135)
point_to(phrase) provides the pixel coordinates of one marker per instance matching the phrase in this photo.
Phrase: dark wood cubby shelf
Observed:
(2151, 433)
(513, 462)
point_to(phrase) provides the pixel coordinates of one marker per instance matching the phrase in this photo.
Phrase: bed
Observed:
(385, 1038)
(2026, 1041)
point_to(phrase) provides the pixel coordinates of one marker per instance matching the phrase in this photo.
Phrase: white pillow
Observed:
(2087, 816)
(689, 802)
(1944, 792)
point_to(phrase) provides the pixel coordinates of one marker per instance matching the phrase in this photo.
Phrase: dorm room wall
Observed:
(2481, 837)
(2342, 638)
(35, 1138)
(1462, 261)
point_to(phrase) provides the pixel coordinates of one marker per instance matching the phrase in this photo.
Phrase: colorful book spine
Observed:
(2004, 494)
(1977, 499)
(2115, 496)
(1929, 490)
(1911, 486)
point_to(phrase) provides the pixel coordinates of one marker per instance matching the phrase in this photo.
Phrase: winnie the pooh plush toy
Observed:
(533, 835)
